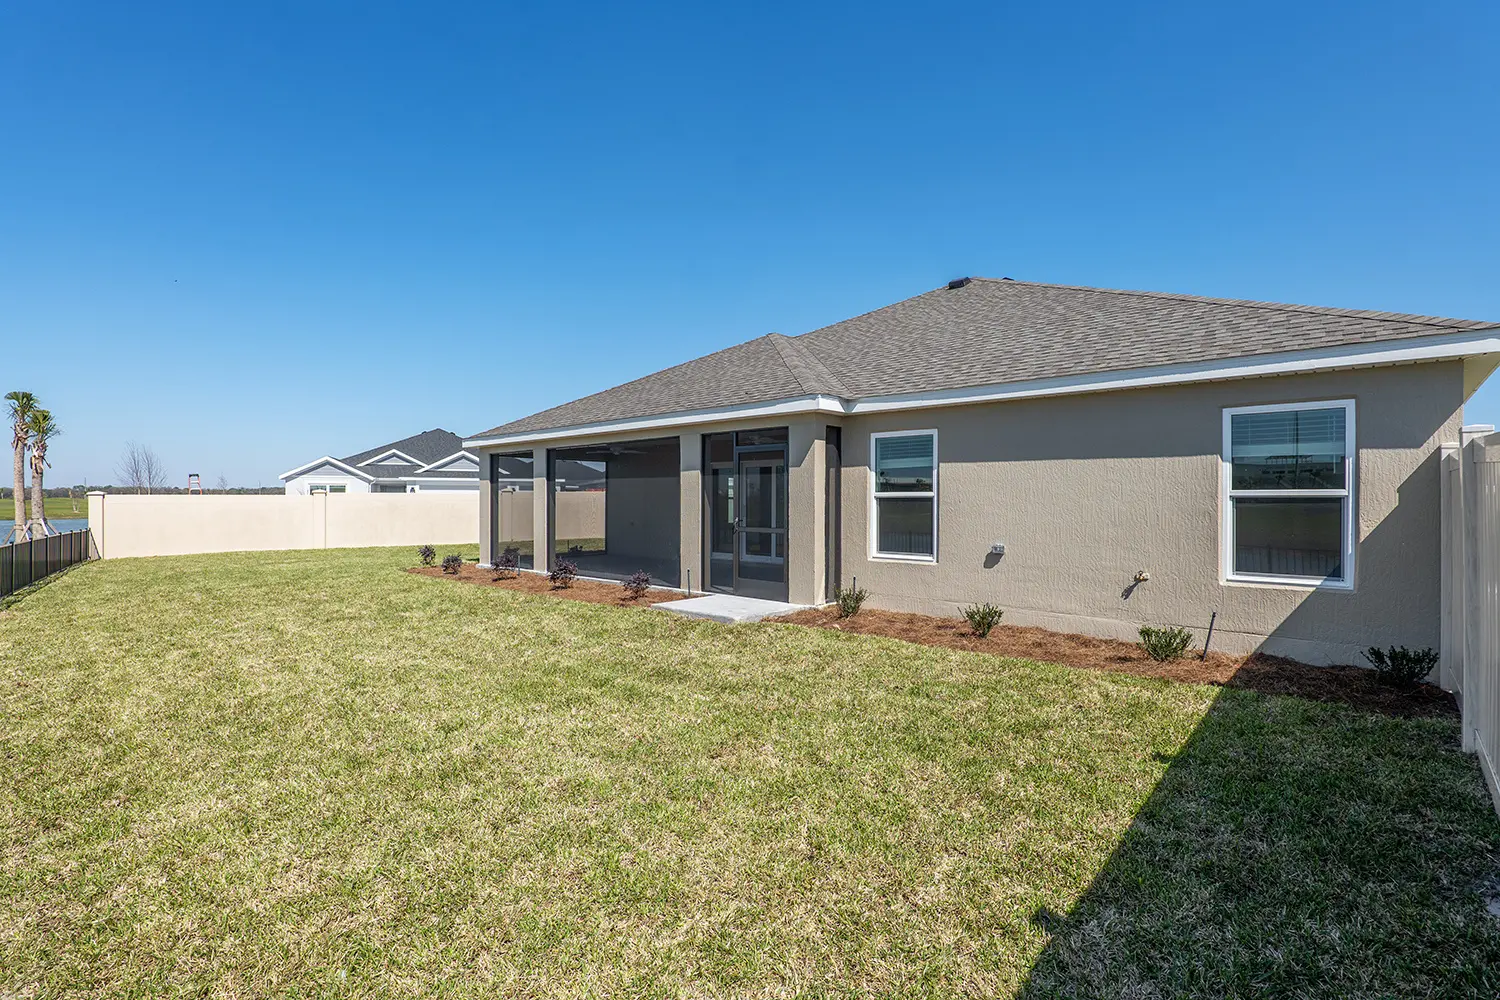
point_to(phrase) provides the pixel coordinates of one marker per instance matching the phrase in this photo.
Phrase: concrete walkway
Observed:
(728, 608)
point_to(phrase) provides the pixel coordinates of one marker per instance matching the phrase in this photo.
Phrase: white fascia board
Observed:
(326, 460)
(753, 411)
(451, 458)
(432, 479)
(1390, 352)
(387, 454)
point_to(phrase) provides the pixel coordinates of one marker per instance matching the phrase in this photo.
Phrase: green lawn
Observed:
(58, 508)
(315, 774)
(63, 507)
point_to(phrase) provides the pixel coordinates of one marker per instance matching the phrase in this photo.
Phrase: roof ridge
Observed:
(815, 377)
(1382, 315)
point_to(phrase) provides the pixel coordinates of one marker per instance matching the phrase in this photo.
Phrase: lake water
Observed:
(60, 525)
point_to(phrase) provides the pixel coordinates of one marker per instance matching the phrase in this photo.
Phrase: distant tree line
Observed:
(140, 470)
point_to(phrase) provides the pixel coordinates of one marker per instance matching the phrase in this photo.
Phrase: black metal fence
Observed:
(24, 563)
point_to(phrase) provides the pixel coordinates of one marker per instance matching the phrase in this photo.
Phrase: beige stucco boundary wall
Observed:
(127, 526)
(1471, 593)
(579, 515)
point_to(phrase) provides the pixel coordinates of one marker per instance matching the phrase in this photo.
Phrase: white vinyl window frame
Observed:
(876, 496)
(327, 487)
(1227, 496)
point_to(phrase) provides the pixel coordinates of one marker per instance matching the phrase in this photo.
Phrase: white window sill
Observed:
(1287, 583)
(883, 557)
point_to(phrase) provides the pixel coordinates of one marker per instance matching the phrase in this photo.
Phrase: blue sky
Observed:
(251, 234)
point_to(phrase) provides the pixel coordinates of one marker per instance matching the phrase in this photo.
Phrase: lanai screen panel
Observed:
(617, 509)
(511, 529)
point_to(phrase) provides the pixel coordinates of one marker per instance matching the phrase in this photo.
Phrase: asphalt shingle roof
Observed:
(426, 447)
(988, 332)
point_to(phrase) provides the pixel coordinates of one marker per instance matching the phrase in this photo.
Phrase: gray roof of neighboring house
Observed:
(574, 474)
(987, 332)
(426, 447)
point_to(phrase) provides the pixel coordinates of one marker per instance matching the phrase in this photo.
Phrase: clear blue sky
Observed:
(251, 234)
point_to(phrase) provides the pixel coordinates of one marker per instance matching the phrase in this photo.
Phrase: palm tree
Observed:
(43, 429)
(18, 407)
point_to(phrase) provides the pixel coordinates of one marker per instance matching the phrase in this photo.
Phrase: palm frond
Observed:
(19, 406)
(41, 427)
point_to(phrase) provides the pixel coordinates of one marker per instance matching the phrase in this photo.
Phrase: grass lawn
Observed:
(62, 508)
(313, 773)
(57, 508)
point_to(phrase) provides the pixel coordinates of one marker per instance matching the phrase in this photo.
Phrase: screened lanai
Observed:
(616, 509)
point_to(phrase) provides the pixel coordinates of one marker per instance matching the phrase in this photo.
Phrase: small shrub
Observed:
(562, 574)
(505, 565)
(1401, 666)
(427, 554)
(1163, 644)
(452, 564)
(636, 584)
(982, 618)
(850, 600)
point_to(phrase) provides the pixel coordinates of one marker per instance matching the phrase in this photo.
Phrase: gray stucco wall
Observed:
(805, 550)
(1086, 490)
(690, 504)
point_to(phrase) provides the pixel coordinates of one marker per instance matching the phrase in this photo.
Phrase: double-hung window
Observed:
(1288, 476)
(903, 498)
(327, 487)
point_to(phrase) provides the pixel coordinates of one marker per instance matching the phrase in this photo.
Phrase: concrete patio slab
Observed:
(728, 608)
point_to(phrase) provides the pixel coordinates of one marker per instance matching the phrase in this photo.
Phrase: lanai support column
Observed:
(541, 496)
(488, 497)
(690, 482)
(807, 479)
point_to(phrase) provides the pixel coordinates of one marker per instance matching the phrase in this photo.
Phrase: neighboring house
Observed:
(432, 460)
(1090, 460)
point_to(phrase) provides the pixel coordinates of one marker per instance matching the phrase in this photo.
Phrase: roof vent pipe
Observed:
(958, 283)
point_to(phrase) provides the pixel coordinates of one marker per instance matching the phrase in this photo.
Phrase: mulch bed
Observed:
(1357, 686)
(591, 591)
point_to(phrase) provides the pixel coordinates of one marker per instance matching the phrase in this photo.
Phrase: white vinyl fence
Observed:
(1471, 592)
(125, 526)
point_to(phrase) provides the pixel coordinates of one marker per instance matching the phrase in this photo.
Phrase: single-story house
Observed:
(1090, 460)
(431, 460)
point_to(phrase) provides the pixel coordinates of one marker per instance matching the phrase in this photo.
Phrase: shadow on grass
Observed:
(11, 600)
(1292, 849)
